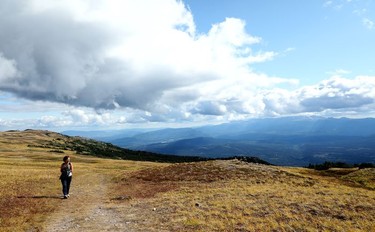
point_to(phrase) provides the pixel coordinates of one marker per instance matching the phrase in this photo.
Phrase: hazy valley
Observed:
(296, 141)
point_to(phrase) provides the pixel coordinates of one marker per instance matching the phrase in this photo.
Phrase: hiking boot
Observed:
(65, 196)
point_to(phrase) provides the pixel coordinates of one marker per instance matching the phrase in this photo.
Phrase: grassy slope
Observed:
(61, 143)
(204, 196)
(29, 186)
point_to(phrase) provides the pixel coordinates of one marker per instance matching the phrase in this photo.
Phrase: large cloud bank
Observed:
(146, 57)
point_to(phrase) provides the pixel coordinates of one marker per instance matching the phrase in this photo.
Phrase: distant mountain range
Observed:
(295, 141)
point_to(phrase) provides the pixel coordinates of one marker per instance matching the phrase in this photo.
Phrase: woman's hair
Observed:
(66, 158)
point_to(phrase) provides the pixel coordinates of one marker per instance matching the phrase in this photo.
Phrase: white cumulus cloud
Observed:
(118, 54)
(7, 68)
(335, 94)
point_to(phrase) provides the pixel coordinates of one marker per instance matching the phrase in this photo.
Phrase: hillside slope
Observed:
(59, 143)
(221, 195)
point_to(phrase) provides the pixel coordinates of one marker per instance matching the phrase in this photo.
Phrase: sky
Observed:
(99, 64)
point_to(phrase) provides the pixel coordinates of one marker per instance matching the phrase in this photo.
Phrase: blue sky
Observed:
(324, 36)
(118, 64)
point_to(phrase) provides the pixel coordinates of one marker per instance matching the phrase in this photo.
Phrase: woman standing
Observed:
(66, 175)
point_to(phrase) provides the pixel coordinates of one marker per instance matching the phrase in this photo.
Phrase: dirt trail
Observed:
(88, 209)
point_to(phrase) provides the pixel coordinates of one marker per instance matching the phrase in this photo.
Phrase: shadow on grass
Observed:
(41, 197)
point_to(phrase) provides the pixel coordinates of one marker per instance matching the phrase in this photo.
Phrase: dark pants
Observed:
(66, 185)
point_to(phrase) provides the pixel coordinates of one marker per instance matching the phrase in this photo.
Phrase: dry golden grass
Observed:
(118, 195)
(27, 180)
(25, 193)
(30, 191)
(363, 177)
(234, 196)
